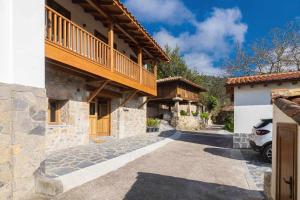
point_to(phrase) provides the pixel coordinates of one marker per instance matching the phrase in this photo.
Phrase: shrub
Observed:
(151, 122)
(195, 113)
(204, 115)
(183, 113)
(229, 124)
(212, 102)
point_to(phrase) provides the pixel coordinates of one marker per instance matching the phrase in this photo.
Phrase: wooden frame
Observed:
(295, 170)
(57, 112)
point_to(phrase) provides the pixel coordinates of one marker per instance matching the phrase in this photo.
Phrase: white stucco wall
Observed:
(22, 42)
(254, 103)
(280, 117)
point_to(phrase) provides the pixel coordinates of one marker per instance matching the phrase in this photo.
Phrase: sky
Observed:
(207, 31)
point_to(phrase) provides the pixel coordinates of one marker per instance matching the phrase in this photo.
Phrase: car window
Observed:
(263, 123)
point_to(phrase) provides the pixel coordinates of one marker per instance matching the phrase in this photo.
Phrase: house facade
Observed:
(253, 101)
(72, 71)
(177, 101)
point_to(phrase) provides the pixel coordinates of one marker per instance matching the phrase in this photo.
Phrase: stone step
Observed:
(54, 185)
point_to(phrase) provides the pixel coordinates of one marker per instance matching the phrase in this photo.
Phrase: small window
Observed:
(53, 112)
(92, 109)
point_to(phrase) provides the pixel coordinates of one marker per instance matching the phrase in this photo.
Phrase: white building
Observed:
(252, 100)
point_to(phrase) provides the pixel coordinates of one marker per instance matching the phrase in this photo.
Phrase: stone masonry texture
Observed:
(22, 138)
(128, 120)
(241, 140)
(186, 122)
(73, 127)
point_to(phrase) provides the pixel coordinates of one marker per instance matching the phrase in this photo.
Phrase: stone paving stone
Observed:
(64, 161)
(256, 166)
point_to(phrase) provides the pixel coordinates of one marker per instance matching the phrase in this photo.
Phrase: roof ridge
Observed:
(260, 75)
(263, 78)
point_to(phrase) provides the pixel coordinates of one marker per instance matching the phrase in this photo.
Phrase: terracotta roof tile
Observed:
(266, 78)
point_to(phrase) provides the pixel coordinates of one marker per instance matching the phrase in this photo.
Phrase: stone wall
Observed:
(241, 140)
(128, 120)
(73, 128)
(22, 139)
(186, 122)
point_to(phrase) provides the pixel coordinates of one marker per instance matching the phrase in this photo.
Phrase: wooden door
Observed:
(103, 118)
(286, 162)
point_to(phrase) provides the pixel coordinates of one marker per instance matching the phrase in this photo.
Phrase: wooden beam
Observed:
(111, 45)
(96, 92)
(128, 98)
(140, 106)
(117, 26)
(140, 62)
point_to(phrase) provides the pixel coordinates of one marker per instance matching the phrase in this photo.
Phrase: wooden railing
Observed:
(148, 79)
(125, 66)
(65, 33)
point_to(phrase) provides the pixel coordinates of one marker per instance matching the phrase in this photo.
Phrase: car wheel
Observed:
(267, 153)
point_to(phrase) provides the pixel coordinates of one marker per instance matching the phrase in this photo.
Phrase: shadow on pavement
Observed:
(150, 186)
(238, 154)
(210, 139)
(227, 153)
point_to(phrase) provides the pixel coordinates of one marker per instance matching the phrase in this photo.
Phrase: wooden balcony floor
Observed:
(77, 62)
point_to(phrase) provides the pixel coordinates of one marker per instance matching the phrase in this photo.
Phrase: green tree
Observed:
(176, 66)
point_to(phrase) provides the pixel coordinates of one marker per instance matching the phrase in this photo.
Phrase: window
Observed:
(92, 109)
(53, 112)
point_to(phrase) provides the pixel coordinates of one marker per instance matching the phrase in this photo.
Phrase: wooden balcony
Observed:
(70, 44)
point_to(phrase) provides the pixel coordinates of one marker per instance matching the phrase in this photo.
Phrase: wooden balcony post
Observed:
(140, 62)
(111, 45)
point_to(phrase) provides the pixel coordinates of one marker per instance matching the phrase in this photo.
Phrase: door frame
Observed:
(278, 165)
(109, 114)
(95, 101)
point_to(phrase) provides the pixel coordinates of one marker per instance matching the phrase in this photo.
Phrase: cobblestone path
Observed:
(68, 160)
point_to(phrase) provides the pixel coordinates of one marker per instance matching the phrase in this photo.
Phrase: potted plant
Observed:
(152, 125)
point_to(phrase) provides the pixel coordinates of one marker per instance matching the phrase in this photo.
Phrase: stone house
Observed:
(252, 100)
(177, 95)
(71, 71)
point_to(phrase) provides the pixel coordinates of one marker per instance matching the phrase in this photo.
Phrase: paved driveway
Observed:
(197, 166)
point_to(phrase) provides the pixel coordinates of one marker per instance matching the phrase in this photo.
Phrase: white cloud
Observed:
(166, 11)
(211, 39)
(216, 33)
(203, 63)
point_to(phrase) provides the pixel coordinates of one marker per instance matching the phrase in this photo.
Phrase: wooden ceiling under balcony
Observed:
(125, 26)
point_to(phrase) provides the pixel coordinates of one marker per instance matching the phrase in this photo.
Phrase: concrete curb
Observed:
(79, 177)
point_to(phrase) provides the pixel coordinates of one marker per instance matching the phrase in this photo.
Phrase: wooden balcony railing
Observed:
(148, 79)
(65, 33)
(125, 66)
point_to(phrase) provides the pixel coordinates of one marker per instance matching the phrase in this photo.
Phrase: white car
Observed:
(261, 138)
